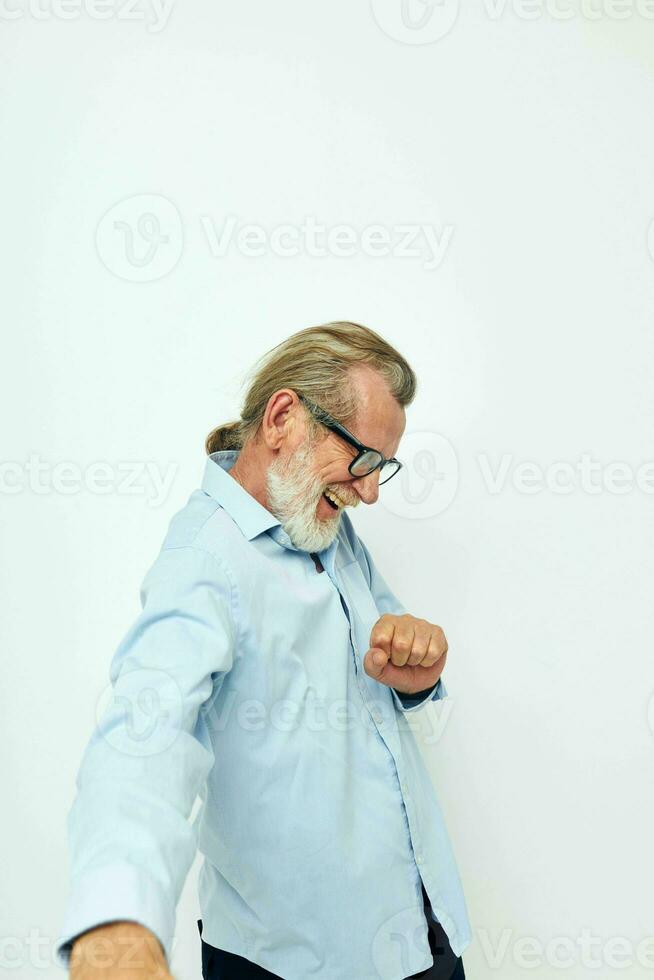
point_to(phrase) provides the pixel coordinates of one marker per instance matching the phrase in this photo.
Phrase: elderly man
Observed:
(270, 671)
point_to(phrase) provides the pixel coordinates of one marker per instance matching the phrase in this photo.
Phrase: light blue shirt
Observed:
(242, 681)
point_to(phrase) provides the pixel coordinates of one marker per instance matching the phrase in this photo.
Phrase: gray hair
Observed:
(317, 362)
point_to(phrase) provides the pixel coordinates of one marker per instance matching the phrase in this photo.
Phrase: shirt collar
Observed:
(244, 509)
(251, 517)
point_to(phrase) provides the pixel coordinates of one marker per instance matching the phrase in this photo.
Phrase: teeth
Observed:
(337, 500)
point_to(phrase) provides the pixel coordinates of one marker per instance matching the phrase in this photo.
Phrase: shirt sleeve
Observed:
(387, 602)
(129, 837)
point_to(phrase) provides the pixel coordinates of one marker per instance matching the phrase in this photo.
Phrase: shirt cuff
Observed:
(111, 893)
(410, 702)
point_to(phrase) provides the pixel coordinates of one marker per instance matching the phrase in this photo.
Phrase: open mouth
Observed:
(331, 500)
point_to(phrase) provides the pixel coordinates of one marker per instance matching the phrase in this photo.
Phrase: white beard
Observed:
(293, 496)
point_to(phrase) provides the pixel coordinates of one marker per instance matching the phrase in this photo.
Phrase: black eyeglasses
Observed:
(367, 460)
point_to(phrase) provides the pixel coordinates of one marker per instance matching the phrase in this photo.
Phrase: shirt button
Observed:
(419, 858)
(377, 718)
(405, 789)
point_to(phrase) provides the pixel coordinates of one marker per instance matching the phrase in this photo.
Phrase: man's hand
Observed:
(406, 653)
(118, 951)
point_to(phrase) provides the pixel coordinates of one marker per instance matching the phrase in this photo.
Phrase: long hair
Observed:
(317, 362)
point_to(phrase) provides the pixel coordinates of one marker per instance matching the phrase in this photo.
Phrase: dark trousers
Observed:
(217, 964)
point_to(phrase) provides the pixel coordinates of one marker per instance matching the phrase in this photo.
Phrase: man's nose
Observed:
(367, 487)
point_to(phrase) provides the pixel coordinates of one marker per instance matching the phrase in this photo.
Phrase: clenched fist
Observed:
(406, 653)
(120, 950)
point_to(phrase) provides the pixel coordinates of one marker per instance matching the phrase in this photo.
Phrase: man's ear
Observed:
(278, 419)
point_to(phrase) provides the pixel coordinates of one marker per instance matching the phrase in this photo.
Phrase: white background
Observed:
(528, 134)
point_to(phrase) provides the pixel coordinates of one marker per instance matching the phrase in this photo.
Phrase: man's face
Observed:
(297, 479)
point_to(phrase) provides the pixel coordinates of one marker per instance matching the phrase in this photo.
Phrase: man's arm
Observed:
(387, 602)
(130, 841)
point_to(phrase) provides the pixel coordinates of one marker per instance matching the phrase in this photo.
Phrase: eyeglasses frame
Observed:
(330, 422)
